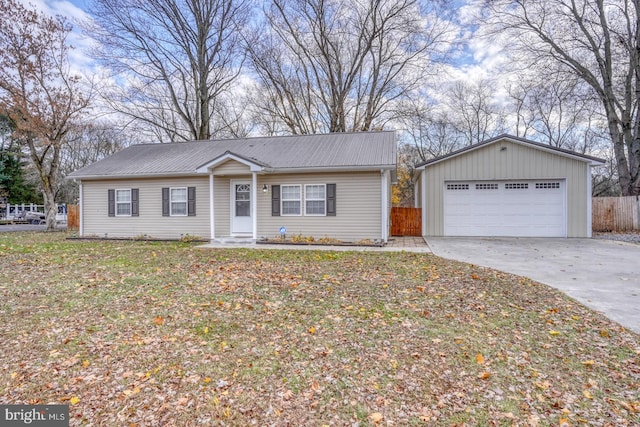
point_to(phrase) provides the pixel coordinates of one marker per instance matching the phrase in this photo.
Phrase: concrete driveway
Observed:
(602, 274)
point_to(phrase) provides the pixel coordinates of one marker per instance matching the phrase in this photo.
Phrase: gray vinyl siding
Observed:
(514, 162)
(358, 201)
(222, 205)
(150, 221)
(231, 167)
(358, 207)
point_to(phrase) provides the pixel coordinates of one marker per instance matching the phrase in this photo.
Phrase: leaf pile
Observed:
(146, 334)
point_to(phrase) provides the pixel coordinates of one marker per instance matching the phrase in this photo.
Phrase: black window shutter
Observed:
(134, 202)
(112, 202)
(191, 201)
(331, 200)
(275, 200)
(165, 201)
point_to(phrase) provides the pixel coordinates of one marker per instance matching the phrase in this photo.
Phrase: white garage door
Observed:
(505, 208)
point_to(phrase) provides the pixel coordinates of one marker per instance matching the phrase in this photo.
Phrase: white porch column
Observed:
(254, 204)
(212, 218)
(385, 205)
(80, 211)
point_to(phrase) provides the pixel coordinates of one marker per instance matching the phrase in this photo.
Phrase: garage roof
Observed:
(545, 147)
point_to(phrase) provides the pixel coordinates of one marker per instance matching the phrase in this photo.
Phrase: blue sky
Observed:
(475, 61)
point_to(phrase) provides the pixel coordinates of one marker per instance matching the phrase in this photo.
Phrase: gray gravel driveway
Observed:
(602, 274)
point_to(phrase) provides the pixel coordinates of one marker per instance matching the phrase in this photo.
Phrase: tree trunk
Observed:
(50, 208)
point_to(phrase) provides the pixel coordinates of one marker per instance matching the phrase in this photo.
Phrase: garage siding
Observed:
(505, 160)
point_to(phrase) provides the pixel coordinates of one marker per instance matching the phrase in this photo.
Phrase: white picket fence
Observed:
(30, 212)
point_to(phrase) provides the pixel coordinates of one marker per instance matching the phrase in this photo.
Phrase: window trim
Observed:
(116, 202)
(324, 200)
(283, 199)
(186, 201)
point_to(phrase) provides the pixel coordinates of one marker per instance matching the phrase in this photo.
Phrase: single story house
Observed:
(334, 185)
(506, 186)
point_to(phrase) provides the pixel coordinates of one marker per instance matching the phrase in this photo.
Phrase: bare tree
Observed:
(38, 91)
(474, 112)
(597, 41)
(340, 65)
(173, 61)
(560, 112)
(87, 143)
(428, 130)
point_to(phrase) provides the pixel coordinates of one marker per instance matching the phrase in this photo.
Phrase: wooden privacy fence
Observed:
(73, 217)
(616, 213)
(406, 221)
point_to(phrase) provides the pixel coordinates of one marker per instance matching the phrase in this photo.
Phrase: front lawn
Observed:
(149, 334)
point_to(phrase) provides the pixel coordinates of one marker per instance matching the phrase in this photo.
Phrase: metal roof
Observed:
(517, 140)
(357, 150)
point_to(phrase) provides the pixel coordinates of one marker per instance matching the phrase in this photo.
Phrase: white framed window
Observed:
(315, 199)
(123, 202)
(178, 201)
(291, 200)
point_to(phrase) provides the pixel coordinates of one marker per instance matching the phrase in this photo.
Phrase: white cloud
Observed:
(78, 57)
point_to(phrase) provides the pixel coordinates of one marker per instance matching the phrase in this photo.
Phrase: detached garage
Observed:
(506, 186)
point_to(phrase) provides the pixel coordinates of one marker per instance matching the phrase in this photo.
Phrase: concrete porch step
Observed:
(231, 240)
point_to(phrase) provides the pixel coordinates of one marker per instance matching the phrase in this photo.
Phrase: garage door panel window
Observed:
(547, 185)
(516, 186)
(486, 186)
(457, 186)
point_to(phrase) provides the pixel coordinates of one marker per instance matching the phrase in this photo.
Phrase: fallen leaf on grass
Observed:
(158, 320)
(479, 359)
(376, 417)
(564, 422)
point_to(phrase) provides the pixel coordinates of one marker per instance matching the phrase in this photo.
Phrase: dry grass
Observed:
(148, 334)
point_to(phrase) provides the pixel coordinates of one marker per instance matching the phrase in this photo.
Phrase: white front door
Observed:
(241, 222)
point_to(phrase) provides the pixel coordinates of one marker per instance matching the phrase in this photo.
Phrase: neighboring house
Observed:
(506, 186)
(335, 185)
